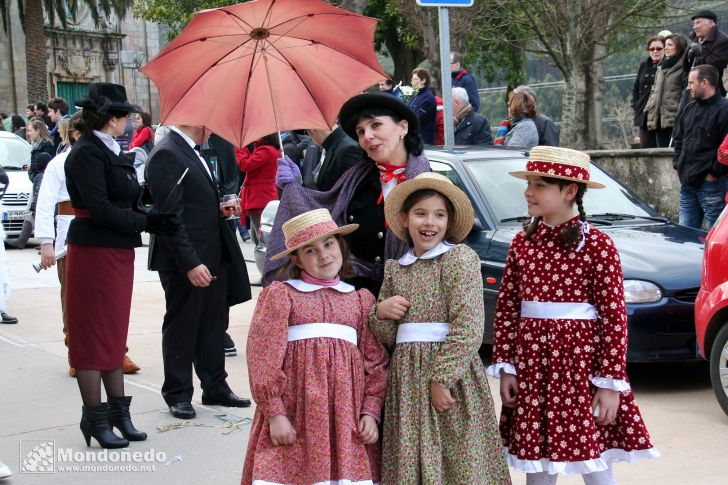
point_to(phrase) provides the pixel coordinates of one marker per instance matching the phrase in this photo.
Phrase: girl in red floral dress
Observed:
(560, 339)
(317, 374)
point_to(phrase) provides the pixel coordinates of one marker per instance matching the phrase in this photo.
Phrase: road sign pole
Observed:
(446, 78)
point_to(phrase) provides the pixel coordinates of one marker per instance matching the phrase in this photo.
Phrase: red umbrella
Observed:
(254, 68)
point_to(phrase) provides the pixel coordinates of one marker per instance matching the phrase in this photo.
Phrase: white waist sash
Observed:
(558, 310)
(316, 330)
(422, 332)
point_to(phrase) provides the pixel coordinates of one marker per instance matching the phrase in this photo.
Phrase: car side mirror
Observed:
(477, 225)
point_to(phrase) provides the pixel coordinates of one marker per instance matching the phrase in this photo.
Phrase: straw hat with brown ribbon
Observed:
(558, 163)
(462, 218)
(308, 227)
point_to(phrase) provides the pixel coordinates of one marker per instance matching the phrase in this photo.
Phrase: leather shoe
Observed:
(7, 318)
(129, 366)
(182, 410)
(229, 400)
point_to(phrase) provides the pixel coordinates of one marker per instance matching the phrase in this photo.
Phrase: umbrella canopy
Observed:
(254, 68)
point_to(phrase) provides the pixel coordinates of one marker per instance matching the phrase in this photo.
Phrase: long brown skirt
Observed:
(99, 282)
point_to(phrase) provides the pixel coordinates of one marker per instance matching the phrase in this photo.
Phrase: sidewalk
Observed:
(41, 404)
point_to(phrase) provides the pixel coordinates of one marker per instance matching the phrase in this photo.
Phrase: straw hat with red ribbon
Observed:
(308, 227)
(559, 163)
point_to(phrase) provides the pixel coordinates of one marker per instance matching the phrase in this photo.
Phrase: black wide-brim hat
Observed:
(705, 14)
(350, 111)
(103, 97)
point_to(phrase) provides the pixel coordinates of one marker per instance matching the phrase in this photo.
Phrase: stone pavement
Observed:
(40, 404)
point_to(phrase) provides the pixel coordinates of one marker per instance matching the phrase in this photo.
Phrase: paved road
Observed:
(39, 403)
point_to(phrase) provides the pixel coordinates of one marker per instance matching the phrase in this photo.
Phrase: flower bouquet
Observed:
(407, 91)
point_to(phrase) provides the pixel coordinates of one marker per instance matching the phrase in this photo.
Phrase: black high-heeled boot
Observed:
(120, 418)
(95, 422)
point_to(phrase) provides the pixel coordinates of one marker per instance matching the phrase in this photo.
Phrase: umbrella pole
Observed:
(273, 102)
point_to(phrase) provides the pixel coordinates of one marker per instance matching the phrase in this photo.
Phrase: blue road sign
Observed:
(445, 3)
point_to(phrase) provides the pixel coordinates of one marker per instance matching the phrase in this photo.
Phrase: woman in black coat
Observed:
(424, 105)
(643, 87)
(101, 239)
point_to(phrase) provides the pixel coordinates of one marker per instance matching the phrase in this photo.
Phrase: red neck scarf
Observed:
(387, 173)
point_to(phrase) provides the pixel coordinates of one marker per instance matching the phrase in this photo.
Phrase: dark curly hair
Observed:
(92, 120)
(412, 140)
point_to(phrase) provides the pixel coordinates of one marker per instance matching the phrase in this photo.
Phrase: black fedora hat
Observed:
(705, 14)
(349, 114)
(103, 97)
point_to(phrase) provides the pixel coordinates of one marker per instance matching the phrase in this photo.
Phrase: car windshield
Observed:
(504, 192)
(14, 153)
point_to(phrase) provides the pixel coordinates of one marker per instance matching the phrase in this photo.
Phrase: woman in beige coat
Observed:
(670, 81)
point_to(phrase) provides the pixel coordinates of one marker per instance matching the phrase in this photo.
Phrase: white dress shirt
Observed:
(52, 191)
(192, 145)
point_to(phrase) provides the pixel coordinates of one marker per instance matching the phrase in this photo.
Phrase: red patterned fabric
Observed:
(560, 169)
(310, 233)
(555, 359)
(387, 172)
(322, 385)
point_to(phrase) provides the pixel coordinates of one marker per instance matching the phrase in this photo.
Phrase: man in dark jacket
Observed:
(548, 133)
(471, 128)
(699, 130)
(713, 48)
(463, 79)
(340, 154)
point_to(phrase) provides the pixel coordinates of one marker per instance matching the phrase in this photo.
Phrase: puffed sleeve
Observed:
(376, 362)
(507, 315)
(463, 292)
(385, 331)
(612, 311)
(266, 348)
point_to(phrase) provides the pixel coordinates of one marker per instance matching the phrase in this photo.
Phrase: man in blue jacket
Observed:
(463, 79)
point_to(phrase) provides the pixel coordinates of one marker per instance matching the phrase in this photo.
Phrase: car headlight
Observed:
(638, 291)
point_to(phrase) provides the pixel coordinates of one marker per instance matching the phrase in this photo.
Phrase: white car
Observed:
(15, 203)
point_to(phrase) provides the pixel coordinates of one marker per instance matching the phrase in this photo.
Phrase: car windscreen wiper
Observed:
(516, 219)
(622, 217)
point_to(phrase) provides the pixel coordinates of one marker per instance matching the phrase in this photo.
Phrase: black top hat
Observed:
(103, 97)
(349, 114)
(705, 14)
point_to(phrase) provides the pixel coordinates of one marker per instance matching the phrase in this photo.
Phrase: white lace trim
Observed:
(620, 385)
(494, 370)
(409, 257)
(580, 467)
(304, 287)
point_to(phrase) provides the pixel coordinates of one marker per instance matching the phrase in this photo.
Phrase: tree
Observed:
(31, 18)
(577, 35)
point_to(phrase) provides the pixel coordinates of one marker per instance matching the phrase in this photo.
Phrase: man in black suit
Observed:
(201, 269)
(340, 154)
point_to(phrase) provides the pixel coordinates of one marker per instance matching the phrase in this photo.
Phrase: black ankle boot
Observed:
(120, 418)
(95, 422)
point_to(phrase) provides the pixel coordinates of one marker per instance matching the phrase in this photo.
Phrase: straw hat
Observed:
(559, 163)
(462, 219)
(308, 227)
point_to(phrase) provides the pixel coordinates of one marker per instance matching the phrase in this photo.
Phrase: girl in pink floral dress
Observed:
(561, 336)
(317, 374)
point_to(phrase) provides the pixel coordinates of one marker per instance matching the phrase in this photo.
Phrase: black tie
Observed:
(198, 149)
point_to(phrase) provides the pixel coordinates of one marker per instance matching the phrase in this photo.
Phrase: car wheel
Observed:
(719, 367)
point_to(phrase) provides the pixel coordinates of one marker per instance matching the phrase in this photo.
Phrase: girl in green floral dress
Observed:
(439, 421)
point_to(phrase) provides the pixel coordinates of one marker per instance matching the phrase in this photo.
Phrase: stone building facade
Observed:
(80, 54)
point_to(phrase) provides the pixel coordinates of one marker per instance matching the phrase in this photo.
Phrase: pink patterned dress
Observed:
(323, 385)
(561, 327)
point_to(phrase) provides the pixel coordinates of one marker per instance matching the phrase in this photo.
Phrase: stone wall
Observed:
(648, 172)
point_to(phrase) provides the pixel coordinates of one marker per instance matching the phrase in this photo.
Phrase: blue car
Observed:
(661, 261)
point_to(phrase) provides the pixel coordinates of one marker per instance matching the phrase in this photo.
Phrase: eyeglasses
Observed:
(655, 49)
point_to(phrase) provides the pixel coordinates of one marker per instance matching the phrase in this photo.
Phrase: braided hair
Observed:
(569, 235)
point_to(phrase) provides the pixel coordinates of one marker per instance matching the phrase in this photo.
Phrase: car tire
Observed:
(719, 366)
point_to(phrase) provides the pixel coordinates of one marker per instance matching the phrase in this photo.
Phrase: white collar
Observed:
(184, 136)
(304, 287)
(109, 141)
(409, 258)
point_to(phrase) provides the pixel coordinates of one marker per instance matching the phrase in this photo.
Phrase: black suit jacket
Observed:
(203, 236)
(342, 153)
(227, 166)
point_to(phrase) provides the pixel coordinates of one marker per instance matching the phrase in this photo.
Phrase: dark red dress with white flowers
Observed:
(559, 362)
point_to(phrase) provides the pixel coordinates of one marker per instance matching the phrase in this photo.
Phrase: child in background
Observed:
(317, 374)
(560, 338)
(439, 421)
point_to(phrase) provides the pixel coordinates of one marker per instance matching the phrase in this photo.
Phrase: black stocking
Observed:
(113, 382)
(89, 383)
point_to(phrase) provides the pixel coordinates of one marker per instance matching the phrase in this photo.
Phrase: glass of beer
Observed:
(230, 206)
